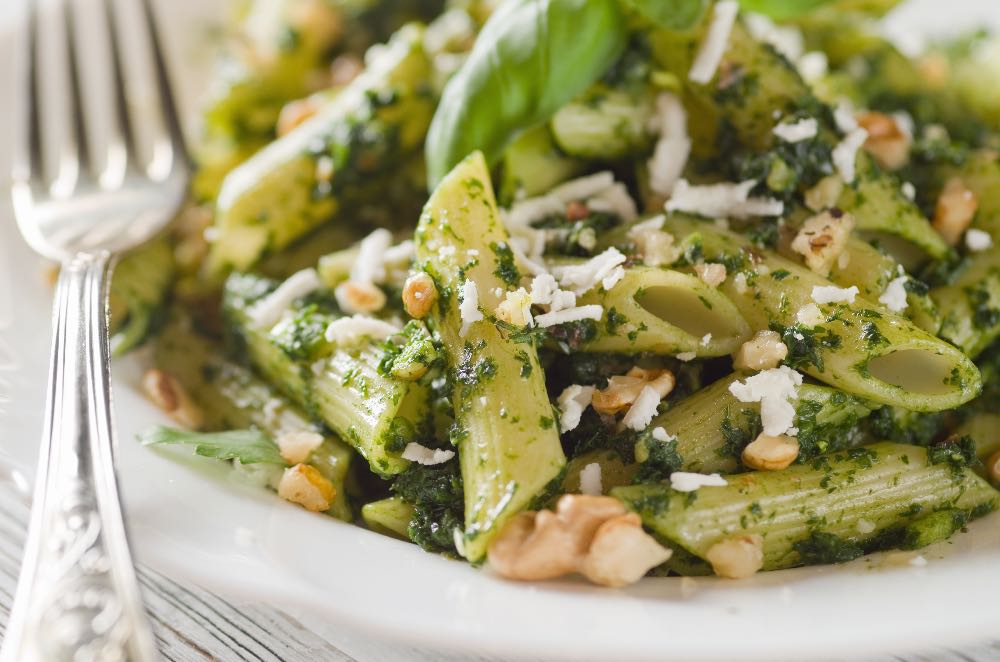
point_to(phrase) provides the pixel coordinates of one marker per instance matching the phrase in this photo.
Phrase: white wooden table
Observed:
(193, 625)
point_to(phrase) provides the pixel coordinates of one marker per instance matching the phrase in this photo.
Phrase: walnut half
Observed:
(593, 535)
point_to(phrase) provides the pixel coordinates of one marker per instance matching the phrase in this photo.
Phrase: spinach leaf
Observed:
(531, 58)
(248, 446)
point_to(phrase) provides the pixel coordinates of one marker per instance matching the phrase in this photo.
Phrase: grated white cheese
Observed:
(579, 278)
(721, 200)
(834, 294)
(673, 147)
(705, 339)
(369, 266)
(592, 312)
(590, 480)
(772, 389)
(686, 356)
(810, 315)
(706, 62)
(660, 434)
(543, 288)
(573, 401)
(793, 132)
(533, 264)
(402, 252)
(426, 456)
(813, 66)
(843, 115)
(908, 190)
(683, 481)
(583, 188)
(614, 200)
(846, 152)
(894, 297)
(267, 311)
(865, 526)
(561, 300)
(740, 283)
(642, 410)
(348, 331)
(918, 561)
(977, 240)
(468, 306)
(786, 39)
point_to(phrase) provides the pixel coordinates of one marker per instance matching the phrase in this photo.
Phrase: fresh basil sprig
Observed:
(248, 446)
(530, 59)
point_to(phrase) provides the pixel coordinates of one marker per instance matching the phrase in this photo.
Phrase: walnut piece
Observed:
(419, 295)
(712, 274)
(359, 297)
(771, 453)
(956, 206)
(887, 141)
(167, 393)
(296, 445)
(823, 238)
(593, 535)
(306, 486)
(623, 390)
(762, 352)
(737, 557)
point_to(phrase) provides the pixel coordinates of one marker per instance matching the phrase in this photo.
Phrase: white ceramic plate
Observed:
(192, 521)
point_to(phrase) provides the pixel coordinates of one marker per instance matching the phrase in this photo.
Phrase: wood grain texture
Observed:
(194, 625)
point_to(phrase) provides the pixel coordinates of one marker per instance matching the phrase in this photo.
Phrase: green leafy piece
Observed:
(531, 58)
(670, 14)
(248, 446)
(959, 452)
(822, 547)
(436, 494)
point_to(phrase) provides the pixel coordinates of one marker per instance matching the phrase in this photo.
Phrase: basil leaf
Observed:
(531, 58)
(248, 446)
(782, 9)
(670, 14)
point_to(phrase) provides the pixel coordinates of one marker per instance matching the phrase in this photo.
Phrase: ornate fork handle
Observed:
(77, 598)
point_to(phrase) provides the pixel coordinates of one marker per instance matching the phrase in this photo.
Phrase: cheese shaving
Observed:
(722, 200)
(266, 312)
(706, 62)
(426, 456)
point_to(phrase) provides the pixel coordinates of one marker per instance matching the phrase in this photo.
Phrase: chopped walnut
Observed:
(823, 238)
(621, 552)
(993, 468)
(576, 211)
(712, 274)
(737, 557)
(295, 113)
(887, 141)
(762, 352)
(934, 69)
(296, 445)
(593, 535)
(825, 193)
(306, 486)
(167, 393)
(419, 295)
(515, 308)
(657, 248)
(956, 206)
(767, 453)
(358, 297)
(344, 69)
(622, 390)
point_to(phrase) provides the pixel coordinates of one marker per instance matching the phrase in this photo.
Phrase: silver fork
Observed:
(118, 174)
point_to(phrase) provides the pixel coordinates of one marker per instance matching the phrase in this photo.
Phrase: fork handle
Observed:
(77, 595)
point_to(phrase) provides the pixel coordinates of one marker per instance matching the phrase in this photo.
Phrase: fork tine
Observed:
(78, 138)
(144, 79)
(27, 157)
(163, 81)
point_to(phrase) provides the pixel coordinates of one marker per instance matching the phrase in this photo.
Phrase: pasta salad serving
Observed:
(598, 287)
